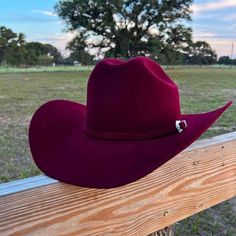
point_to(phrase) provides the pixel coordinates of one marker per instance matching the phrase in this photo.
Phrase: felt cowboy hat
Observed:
(131, 125)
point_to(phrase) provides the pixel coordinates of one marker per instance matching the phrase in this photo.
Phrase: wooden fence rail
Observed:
(198, 178)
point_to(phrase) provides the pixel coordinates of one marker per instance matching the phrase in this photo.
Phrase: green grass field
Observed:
(6, 69)
(21, 93)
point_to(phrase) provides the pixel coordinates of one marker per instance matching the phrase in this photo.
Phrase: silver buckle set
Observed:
(181, 125)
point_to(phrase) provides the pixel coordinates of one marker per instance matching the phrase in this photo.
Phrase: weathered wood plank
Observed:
(194, 180)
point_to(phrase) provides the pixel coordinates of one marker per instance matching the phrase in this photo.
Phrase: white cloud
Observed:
(46, 13)
(59, 41)
(229, 17)
(204, 35)
(214, 5)
(222, 46)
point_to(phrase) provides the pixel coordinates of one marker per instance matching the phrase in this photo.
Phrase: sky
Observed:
(213, 21)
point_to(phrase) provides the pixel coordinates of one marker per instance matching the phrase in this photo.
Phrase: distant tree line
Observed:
(226, 60)
(15, 51)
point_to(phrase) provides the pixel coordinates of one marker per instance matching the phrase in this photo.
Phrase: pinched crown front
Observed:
(135, 99)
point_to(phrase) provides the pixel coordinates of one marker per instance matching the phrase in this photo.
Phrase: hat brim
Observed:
(64, 152)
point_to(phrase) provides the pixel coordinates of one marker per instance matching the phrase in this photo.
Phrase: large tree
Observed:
(124, 28)
(201, 53)
(42, 54)
(225, 60)
(14, 50)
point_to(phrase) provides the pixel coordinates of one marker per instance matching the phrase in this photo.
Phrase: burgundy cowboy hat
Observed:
(131, 125)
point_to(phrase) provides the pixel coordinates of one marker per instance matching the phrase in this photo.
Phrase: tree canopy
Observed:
(225, 60)
(14, 50)
(201, 53)
(126, 28)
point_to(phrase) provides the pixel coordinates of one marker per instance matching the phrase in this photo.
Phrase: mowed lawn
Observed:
(201, 89)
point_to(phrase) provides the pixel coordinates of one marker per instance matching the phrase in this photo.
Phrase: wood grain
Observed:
(194, 180)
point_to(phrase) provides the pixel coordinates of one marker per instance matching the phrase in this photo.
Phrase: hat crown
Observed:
(132, 99)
